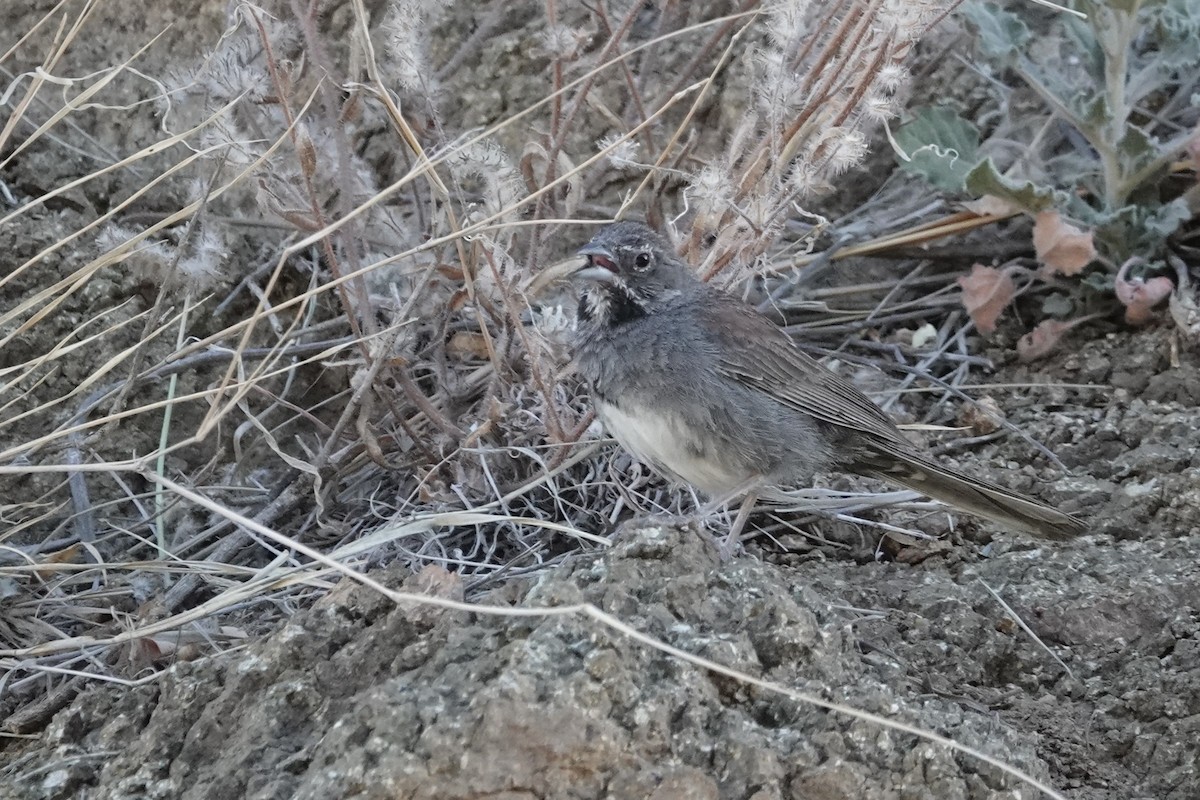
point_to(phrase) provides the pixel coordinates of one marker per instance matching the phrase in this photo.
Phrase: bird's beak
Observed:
(592, 263)
(600, 256)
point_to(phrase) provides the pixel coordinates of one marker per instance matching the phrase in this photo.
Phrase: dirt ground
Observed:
(354, 696)
(359, 698)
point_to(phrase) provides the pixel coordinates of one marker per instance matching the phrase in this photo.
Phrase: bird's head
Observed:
(633, 256)
(623, 272)
(627, 269)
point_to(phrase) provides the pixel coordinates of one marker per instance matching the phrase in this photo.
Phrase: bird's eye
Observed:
(642, 261)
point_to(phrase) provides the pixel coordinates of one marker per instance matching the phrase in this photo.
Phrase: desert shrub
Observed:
(1096, 159)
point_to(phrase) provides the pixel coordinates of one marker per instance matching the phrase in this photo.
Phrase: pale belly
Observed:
(664, 441)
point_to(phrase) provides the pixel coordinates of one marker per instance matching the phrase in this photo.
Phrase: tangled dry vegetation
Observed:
(284, 332)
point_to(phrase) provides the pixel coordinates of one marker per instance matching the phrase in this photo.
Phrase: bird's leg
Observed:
(732, 540)
(725, 498)
(749, 488)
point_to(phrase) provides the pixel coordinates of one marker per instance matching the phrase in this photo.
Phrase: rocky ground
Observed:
(359, 697)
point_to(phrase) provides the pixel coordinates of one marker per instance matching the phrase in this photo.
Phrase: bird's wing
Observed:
(754, 351)
(757, 353)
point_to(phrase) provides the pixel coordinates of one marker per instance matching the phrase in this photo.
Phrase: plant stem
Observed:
(1115, 29)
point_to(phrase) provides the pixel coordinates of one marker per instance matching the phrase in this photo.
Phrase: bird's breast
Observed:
(670, 443)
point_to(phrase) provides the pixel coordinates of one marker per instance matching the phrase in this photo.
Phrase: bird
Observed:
(709, 392)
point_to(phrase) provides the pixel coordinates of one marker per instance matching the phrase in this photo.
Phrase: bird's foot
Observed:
(729, 547)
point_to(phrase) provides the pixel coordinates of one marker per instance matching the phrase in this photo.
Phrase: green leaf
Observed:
(1139, 230)
(1100, 282)
(1136, 151)
(986, 179)
(1083, 212)
(1002, 34)
(1091, 56)
(1176, 26)
(1092, 110)
(1165, 220)
(942, 147)
(1057, 305)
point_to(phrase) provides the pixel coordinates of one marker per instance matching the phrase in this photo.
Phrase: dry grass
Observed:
(301, 311)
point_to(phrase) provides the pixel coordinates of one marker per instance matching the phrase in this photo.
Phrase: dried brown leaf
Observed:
(466, 345)
(1140, 296)
(47, 569)
(986, 292)
(1063, 248)
(1042, 340)
(533, 163)
(981, 417)
(907, 549)
(306, 150)
(1192, 148)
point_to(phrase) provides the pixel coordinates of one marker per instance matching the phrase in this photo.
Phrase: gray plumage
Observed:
(708, 391)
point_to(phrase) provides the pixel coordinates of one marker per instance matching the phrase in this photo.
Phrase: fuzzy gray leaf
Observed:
(942, 147)
(1002, 34)
(986, 179)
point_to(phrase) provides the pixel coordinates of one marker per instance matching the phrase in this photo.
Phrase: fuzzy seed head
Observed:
(777, 87)
(201, 269)
(878, 108)
(563, 42)
(805, 179)
(620, 154)
(850, 150)
(405, 45)
(892, 78)
(787, 22)
(909, 19)
(486, 165)
(711, 190)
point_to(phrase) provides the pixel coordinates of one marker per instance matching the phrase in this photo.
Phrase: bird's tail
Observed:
(973, 495)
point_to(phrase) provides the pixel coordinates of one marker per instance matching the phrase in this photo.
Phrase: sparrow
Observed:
(709, 392)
